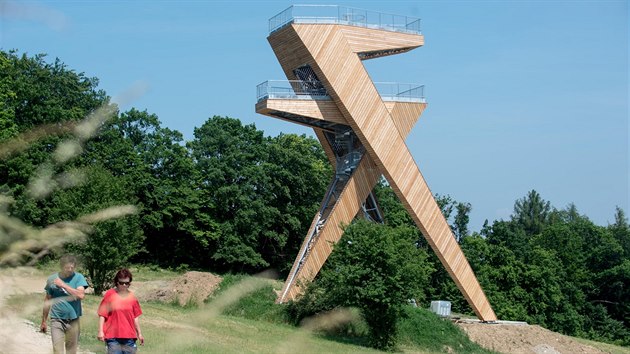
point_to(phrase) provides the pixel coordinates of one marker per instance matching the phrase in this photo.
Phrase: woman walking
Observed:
(118, 324)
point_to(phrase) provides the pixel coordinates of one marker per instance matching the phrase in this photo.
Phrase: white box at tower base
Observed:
(441, 308)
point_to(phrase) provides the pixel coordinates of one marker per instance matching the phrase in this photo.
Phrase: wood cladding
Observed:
(334, 53)
(315, 109)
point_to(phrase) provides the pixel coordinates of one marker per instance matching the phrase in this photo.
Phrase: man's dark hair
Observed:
(68, 258)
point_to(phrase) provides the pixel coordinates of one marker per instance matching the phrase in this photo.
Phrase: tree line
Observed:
(234, 200)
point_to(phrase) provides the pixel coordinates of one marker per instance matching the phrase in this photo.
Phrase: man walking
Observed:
(64, 292)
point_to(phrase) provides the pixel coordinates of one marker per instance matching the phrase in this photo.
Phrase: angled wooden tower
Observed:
(362, 126)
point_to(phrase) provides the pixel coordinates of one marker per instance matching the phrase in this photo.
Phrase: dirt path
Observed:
(18, 335)
(524, 339)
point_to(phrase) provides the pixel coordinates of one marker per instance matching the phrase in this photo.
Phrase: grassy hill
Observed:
(241, 317)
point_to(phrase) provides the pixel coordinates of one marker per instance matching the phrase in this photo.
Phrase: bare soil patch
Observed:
(191, 287)
(521, 339)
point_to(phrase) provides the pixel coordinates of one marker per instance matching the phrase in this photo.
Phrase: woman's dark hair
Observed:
(121, 274)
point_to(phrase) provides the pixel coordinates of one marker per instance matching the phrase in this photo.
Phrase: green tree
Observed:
(621, 231)
(228, 157)
(43, 93)
(569, 274)
(532, 213)
(243, 177)
(458, 221)
(510, 235)
(8, 127)
(462, 218)
(162, 176)
(34, 93)
(609, 306)
(377, 269)
(297, 175)
(111, 243)
(440, 285)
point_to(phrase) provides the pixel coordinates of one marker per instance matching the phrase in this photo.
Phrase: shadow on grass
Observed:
(361, 341)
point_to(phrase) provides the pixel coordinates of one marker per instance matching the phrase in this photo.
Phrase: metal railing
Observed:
(314, 90)
(335, 14)
(291, 89)
(399, 92)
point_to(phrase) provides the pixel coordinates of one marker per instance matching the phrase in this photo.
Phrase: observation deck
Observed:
(307, 100)
(370, 34)
(342, 15)
(308, 103)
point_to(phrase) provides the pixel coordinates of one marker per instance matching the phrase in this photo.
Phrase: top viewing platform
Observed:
(342, 15)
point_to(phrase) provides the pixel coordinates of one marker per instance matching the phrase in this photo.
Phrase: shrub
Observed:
(374, 268)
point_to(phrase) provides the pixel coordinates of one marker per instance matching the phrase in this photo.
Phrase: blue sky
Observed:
(522, 94)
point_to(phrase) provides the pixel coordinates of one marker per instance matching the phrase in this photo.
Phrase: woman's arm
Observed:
(101, 333)
(136, 322)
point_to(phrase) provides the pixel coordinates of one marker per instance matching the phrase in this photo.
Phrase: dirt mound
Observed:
(191, 287)
(521, 339)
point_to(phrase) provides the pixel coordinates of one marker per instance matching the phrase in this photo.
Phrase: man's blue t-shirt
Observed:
(63, 307)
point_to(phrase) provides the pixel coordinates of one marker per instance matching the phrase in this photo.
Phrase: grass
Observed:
(605, 347)
(259, 305)
(419, 331)
(424, 329)
(242, 318)
(172, 329)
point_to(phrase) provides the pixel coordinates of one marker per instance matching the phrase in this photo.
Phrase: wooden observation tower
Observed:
(362, 126)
